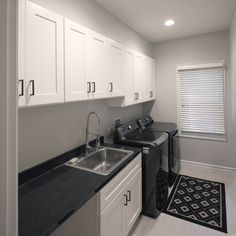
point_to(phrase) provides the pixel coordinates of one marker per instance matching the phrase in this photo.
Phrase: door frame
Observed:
(8, 119)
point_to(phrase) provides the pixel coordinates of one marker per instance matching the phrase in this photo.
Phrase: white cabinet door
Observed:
(139, 77)
(144, 80)
(76, 38)
(115, 69)
(149, 79)
(97, 65)
(134, 197)
(21, 54)
(129, 77)
(112, 217)
(152, 88)
(44, 56)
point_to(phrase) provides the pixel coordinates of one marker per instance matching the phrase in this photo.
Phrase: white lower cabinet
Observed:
(133, 192)
(112, 211)
(111, 218)
(123, 210)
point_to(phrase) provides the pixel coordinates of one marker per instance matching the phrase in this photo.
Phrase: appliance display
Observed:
(147, 123)
(154, 174)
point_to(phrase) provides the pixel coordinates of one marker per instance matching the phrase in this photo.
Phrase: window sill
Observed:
(219, 139)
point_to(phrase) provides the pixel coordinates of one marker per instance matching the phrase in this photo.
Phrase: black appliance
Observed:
(154, 176)
(148, 124)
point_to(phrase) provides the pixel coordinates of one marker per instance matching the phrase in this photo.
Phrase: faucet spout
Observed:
(87, 146)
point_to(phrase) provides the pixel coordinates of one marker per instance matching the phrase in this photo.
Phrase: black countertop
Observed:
(47, 200)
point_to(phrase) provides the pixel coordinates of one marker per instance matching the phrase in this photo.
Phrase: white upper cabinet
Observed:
(115, 68)
(62, 61)
(152, 79)
(44, 56)
(129, 77)
(149, 79)
(139, 79)
(76, 84)
(97, 65)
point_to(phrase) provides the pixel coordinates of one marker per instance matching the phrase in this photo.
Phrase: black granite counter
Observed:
(48, 199)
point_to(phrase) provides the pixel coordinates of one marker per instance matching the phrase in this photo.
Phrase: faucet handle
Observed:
(98, 141)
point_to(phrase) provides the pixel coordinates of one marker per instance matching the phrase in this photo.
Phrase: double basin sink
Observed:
(102, 161)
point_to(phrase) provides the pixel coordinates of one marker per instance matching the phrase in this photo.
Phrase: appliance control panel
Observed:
(145, 121)
(128, 128)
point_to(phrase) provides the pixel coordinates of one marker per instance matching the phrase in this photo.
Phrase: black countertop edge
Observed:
(33, 172)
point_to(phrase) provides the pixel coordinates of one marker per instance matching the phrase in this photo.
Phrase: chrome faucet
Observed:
(87, 146)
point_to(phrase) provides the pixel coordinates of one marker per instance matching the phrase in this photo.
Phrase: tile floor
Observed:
(166, 225)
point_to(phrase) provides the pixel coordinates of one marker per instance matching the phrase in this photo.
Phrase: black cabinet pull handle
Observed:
(88, 87)
(126, 200)
(94, 87)
(21, 81)
(129, 196)
(136, 96)
(33, 92)
(111, 87)
(151, 94)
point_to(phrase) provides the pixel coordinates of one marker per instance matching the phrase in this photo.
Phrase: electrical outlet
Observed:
(117, 122)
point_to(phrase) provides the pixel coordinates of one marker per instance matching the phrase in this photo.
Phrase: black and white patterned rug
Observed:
(199, 201)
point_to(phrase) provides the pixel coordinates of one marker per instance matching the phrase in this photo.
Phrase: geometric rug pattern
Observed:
(199, 201)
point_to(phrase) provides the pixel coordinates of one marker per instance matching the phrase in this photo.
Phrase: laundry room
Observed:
(117, 117)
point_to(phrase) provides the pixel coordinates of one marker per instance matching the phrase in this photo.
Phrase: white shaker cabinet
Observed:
(97, 65)
(77, 87)
(86, 58)
(139, 80)
(144, 78)
(139, 77)
(133, 191)
(152, 79)
(148, 88)
(44, 56)
(69, 62)
(131, 96)
(111, 222)
(115, 76)
(121, 201)
(129, 77)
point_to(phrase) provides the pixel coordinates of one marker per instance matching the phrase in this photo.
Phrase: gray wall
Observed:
(93, 16)
(47, 131)
(200, 48)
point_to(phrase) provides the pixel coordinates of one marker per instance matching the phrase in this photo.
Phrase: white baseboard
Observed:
(204, 165)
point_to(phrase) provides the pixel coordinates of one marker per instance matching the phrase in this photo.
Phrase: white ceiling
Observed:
(192, 16)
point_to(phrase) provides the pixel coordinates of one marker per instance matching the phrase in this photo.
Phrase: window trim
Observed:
(201, 65)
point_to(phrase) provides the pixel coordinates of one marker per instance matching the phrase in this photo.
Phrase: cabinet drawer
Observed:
(111, 189)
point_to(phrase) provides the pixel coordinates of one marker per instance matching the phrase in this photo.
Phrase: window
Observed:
(201, 100)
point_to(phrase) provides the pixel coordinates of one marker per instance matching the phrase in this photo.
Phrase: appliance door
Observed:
(155, 182)
(159, 176)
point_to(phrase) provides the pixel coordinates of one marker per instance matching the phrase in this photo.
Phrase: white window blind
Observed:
(201, 99)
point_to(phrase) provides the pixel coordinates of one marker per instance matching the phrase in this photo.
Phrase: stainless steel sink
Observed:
(103, 161)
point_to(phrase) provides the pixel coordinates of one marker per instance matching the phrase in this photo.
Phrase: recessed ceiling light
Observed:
(169, 22)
